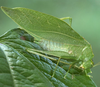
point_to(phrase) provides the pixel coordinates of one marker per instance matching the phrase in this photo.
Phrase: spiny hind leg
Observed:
(56, 67)
(70, 20)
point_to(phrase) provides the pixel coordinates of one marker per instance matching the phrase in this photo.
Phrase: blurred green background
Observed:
(85, 15)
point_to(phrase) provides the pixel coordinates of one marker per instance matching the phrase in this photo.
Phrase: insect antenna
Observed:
(96, 64)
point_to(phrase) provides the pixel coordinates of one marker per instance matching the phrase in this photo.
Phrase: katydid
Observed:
(55, 36)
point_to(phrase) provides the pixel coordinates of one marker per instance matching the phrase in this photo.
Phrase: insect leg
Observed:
(41, 53)
(70, 67)
(70, 20)
(56, 67)
(67, 72)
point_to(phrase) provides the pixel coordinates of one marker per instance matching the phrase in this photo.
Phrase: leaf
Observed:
(18, 68)
(5, 76)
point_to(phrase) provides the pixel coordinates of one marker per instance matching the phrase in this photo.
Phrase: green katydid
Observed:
(55, 36)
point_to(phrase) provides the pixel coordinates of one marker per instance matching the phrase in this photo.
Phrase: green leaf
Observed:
(18, 68)
(5, 75)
